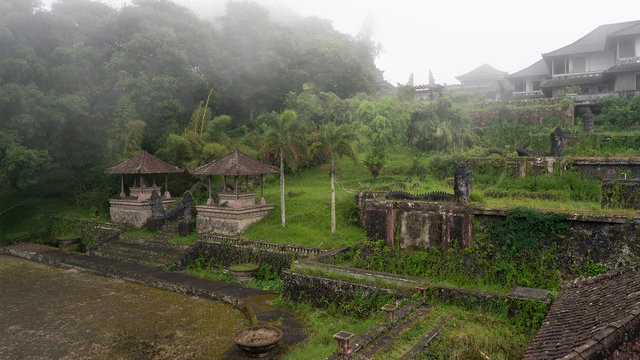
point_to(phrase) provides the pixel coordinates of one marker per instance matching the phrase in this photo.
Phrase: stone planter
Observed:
(243, 272)
(258, 341)
(390, 311)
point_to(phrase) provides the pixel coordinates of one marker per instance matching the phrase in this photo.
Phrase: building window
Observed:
(578, 64)
(559, 66)
(519, 85)
(637, 82)
(536, 85)
(626, 47)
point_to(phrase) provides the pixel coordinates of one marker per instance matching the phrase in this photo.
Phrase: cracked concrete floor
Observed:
(52, 313)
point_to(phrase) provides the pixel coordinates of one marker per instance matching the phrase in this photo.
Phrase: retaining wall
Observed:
(612, 240)
(621, 193)
(222, 251)
(529, 116)
(321, 292)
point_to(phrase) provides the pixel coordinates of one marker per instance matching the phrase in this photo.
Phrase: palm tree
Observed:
(285, 133)
(333, 140)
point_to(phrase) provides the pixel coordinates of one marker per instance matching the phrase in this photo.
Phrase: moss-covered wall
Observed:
(418, 224)
(529, 113)
(219, 254)
(621, 193)
(602, 239)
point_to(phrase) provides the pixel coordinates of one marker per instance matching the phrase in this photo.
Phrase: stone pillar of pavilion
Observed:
(142, 171)
(237, 208)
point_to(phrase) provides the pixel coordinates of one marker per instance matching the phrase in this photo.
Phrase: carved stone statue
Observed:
(462, 183)
(587, 121)
(157, 211)
(558, 142)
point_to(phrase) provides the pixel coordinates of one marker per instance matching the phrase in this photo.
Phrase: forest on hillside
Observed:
(83, 84)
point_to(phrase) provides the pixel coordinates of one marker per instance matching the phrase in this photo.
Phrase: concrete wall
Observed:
(621, 193)
(528, 116)
(626, 81)
(600, 61)
(418, 224)
(607, 168)
(607, 239)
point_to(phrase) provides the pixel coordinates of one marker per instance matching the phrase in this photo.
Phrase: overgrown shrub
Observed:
(517, 250)
(619, 111)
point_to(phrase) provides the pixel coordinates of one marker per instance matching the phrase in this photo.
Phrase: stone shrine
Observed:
(236, 207)
(134, 209)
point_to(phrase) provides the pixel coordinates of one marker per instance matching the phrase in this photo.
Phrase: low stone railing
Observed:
(96, 232)
(259, 244)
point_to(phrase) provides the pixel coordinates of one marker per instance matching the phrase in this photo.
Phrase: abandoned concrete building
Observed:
(604, 62)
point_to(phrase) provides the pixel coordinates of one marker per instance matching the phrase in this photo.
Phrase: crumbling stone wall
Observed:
(527, 116)
(611, 241)
(322, 292)
(621, 193)
(418, 224)
(608, 168)
(227, 254)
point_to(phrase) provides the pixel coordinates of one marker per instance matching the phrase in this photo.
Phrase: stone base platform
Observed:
(132, 212)
(216, 220)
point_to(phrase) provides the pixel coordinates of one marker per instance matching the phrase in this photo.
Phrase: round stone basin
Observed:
(243, 272)
(258, 341)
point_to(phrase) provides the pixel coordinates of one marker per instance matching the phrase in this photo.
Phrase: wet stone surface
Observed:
(52, 313)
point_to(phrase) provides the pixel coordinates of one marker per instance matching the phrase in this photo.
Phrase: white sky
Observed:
(452, 37)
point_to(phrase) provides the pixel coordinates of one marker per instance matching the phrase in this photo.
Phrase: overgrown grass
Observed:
(479, 335)
(185, 240)
(27, 216)
(308, 209)
(466, 335)
(264, 279)
(143, 233)
(321, 325)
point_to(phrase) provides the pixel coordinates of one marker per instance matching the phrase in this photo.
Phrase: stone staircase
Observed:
(154, 251)
(381, 337)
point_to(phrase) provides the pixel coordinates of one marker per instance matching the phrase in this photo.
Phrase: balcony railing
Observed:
(581, 75)
(629, 60)
(528, 94)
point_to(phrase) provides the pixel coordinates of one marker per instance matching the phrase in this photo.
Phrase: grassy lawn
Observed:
(308, 208)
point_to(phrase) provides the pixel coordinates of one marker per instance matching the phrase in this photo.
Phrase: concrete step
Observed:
(138, 253)
(397, 330)
(380, 337)
(423, 345)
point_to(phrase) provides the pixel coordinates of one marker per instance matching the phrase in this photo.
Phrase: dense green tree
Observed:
(20, 166)
(440, 126)
(88, 84)
(125, 135)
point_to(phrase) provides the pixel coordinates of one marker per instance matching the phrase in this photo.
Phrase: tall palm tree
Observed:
(285, 133)
(333, 140)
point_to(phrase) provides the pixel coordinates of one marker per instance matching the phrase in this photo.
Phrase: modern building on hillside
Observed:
(527, 83)
(605, 60)
(485, 80)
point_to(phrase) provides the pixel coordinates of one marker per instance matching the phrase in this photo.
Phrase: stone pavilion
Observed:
(141, 170)
(236, 207)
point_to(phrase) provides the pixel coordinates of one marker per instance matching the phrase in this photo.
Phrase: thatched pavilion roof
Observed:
(143, 163)
(235, 163)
